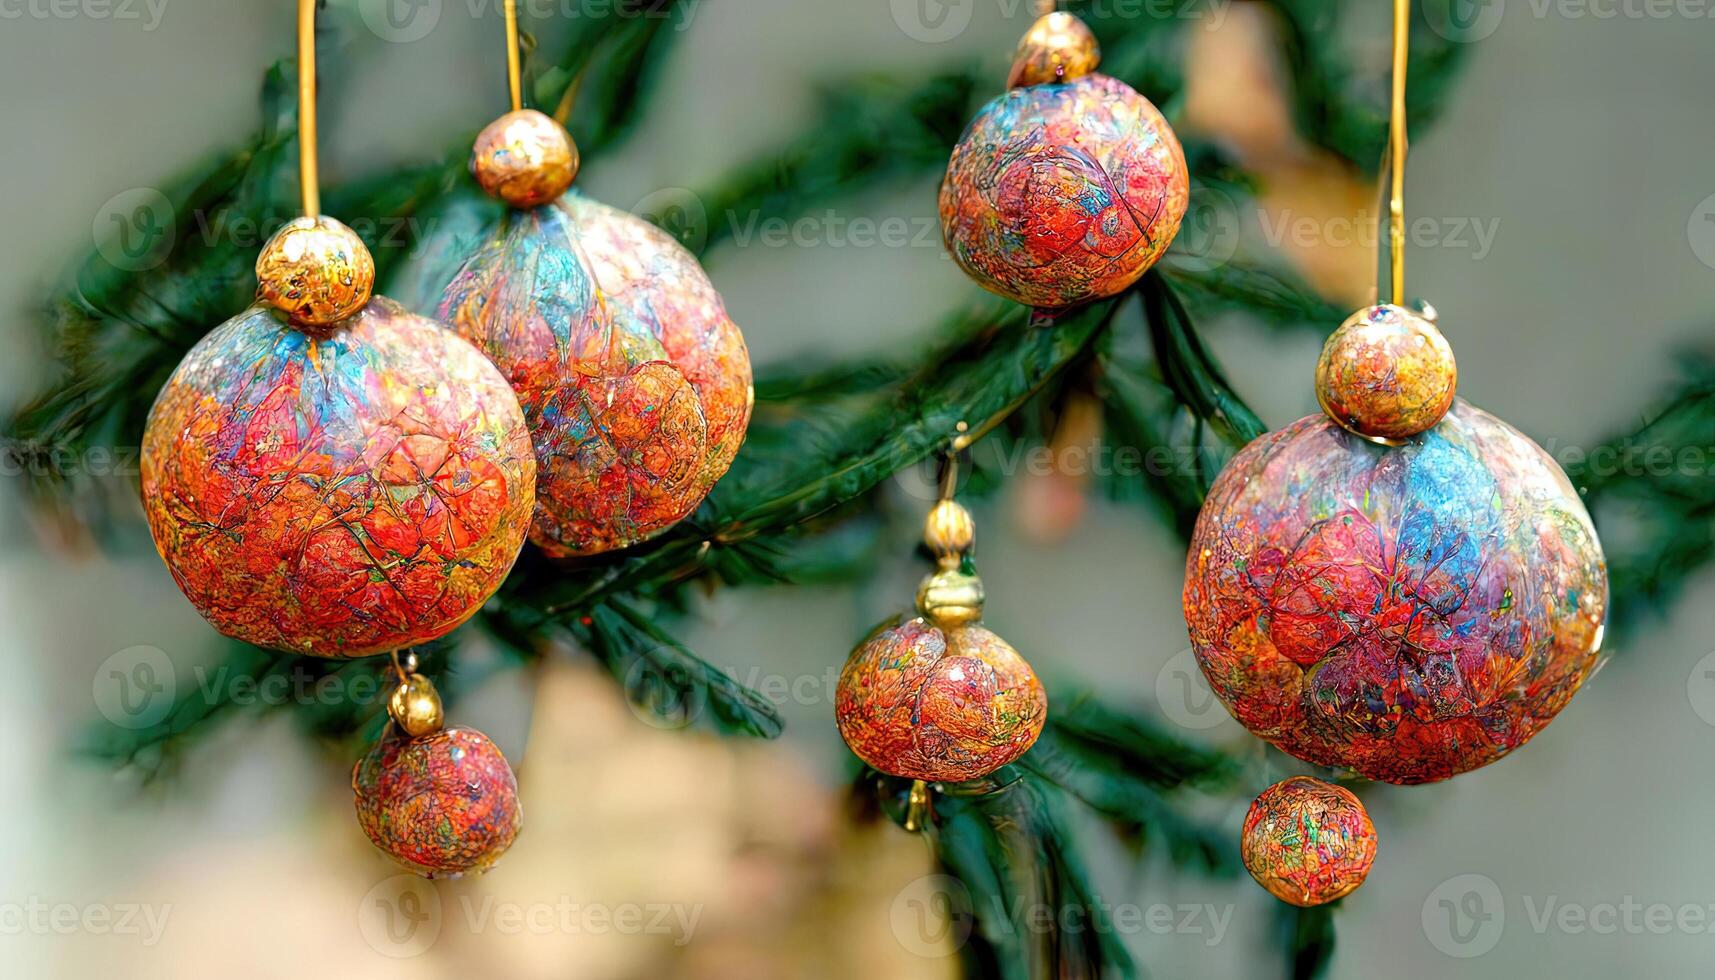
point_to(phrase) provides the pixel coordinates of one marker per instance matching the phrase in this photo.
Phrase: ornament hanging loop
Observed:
(309, 186)
(514, 70)
(1396, 150)
(917, 812)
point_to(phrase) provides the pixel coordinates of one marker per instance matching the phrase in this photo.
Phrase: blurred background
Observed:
(1568, 249)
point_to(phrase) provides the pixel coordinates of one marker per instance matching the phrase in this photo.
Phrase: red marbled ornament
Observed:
(1062, 193)
(442, 804)
(338, 492)
(942, 706)
(1411, 612)
(636, 383)
(1308, 842)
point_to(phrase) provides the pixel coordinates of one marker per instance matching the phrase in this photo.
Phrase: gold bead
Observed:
(416, 706)
(316, 271)
(949, 532)
(1058, 48)
(951, 598)
(524, 158)
(1386, 374)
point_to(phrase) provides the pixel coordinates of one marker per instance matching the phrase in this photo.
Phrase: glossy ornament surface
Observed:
(941, 705)
(316, 271)
(1307, 842)
(1410, 612)
(524, 158)
(1058, 48)
(340, 492)
(635, 382)
(441, 805)
(1387, 373)
(1062, 193)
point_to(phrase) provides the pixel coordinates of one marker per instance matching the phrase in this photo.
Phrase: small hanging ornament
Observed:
(936, 697)
(1396, 586)
(327, 473)
(440, 801)
(635, 382)
(1068, 187)
(1308, 842)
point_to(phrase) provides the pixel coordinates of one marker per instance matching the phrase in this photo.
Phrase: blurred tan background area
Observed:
(1575, 154)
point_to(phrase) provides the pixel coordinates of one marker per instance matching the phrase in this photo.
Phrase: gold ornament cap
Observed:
(1387, 373)
(524, 158)
(951, 597)
(949, 532)
(1058, 48)
(316, 271)
(416, 706)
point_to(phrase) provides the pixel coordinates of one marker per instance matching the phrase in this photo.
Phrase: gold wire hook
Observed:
(308, 185)
(514, 73)
(947, 477)
(1396, 152)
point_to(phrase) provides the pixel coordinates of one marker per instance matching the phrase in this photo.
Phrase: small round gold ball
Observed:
(316, 271)
(1058, 48)
(948, 530)
(951, 598)
(524, 158)
(1386, 373)
(416, 706)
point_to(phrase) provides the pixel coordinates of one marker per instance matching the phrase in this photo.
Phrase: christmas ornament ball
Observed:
(635, 382)
(316, 271)
(1062, 193)
(442, 804)
(1307, 842)
(941, 702)
(338, 492)
(524, 158)
(1410, 612)
(1386, 373)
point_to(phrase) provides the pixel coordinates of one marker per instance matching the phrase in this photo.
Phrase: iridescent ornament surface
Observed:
(1307, 842)
(341, 492)
(635, 381)
(1411, 612)
(1386, 372)
(1062, 193)
(524, 158)
(441, 805)
(316, 271)
(918, 701)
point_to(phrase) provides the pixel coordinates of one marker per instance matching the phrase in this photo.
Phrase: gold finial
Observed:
(949, 533)
(316, 271)
(1058, 48)
(415, 705)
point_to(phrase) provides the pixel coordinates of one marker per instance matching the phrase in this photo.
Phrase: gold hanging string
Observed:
(514, 73)
(1396, 152)
(309, 187)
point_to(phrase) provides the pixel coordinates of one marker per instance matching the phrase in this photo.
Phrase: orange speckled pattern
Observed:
(342, 493)
(636, 383)
(1308, 842)
(917, 702)
(1061, 194)
(441, 805)
(1386, 372)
